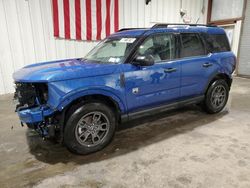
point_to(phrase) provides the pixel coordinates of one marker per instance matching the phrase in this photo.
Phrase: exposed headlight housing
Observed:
(31, 94)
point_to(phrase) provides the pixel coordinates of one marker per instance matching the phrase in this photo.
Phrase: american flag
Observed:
(85, 19)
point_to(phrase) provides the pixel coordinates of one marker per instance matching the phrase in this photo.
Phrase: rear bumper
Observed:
(34, 115)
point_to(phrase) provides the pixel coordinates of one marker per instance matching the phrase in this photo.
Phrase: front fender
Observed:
(108, 92)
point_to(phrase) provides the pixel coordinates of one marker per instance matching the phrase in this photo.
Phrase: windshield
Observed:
(111, 50)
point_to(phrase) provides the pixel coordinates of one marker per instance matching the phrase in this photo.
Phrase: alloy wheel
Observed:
(92, 128)
(218, 96)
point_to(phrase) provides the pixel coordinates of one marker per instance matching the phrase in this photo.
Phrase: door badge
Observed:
(135, 90)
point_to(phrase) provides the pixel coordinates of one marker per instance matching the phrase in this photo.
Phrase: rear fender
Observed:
(213, 76)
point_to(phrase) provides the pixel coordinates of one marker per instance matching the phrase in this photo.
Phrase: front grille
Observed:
(30, 94)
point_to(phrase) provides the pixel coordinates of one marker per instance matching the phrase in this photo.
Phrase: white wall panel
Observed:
(37, 30)
(173, 15)
(13, 29)
(46, 17)
(193, 8)
(244, 50)
(26, 30)
(6, 62)
(26, 34)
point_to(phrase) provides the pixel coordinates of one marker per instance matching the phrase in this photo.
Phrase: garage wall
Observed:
(244, 56)
(26, 30)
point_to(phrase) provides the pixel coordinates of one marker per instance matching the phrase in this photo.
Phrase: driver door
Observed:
(151, 86)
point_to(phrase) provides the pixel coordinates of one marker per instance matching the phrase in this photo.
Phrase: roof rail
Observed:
(162, 25)
(126, 29)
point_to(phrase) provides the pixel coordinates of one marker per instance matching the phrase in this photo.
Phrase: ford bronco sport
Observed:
(132, 73)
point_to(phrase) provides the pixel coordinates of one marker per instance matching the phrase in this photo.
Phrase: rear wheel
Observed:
(216, 96)
(90, 128)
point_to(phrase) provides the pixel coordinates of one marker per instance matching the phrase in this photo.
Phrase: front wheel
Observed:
(216, 96)
(90, 128)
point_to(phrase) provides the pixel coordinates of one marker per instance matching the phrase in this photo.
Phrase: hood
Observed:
(62, 70)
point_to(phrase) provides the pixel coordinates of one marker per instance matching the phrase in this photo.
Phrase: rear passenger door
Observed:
(196, 65)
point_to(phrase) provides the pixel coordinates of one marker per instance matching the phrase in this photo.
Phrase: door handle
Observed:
(207, 64)
(169, 70)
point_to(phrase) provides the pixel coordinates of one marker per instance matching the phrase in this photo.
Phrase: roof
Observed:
(171, 28)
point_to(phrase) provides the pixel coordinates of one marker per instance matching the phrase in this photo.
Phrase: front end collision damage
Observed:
(46, 114)
(32, 108)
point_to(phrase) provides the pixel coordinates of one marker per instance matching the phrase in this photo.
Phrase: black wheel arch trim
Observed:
(218, 75)
(85, 99)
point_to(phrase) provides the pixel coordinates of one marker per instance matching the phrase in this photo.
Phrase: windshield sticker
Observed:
(127, 40)
(114, 59)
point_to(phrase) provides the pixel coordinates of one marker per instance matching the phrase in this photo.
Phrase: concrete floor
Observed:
(181, 148)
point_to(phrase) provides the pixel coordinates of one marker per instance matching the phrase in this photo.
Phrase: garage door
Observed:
(244, 55)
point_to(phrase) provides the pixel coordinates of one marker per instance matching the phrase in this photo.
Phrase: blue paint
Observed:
(71, 79)
(34, 115)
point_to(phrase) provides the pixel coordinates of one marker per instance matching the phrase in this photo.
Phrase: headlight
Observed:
(31, 94)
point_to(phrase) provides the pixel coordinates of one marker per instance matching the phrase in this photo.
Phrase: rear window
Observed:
(191, 45)
(216, 43)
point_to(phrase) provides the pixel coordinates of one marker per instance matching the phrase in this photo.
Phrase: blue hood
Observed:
(62, 70)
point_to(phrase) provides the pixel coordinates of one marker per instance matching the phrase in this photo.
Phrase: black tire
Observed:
(76, 123)
(210, 104)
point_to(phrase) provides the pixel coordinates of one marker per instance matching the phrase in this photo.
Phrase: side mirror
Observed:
(144, 60)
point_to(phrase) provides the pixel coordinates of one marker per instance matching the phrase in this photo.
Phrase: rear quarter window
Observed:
(216, 43)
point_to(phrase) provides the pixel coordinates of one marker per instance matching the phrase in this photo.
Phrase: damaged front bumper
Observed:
(34, 115)
(33, 109)
(39, 119)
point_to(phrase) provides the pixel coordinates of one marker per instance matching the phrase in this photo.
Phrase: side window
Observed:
(161, 47)
(217, 42)
(191, 45)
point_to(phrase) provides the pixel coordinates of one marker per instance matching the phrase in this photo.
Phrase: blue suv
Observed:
(132, 73)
